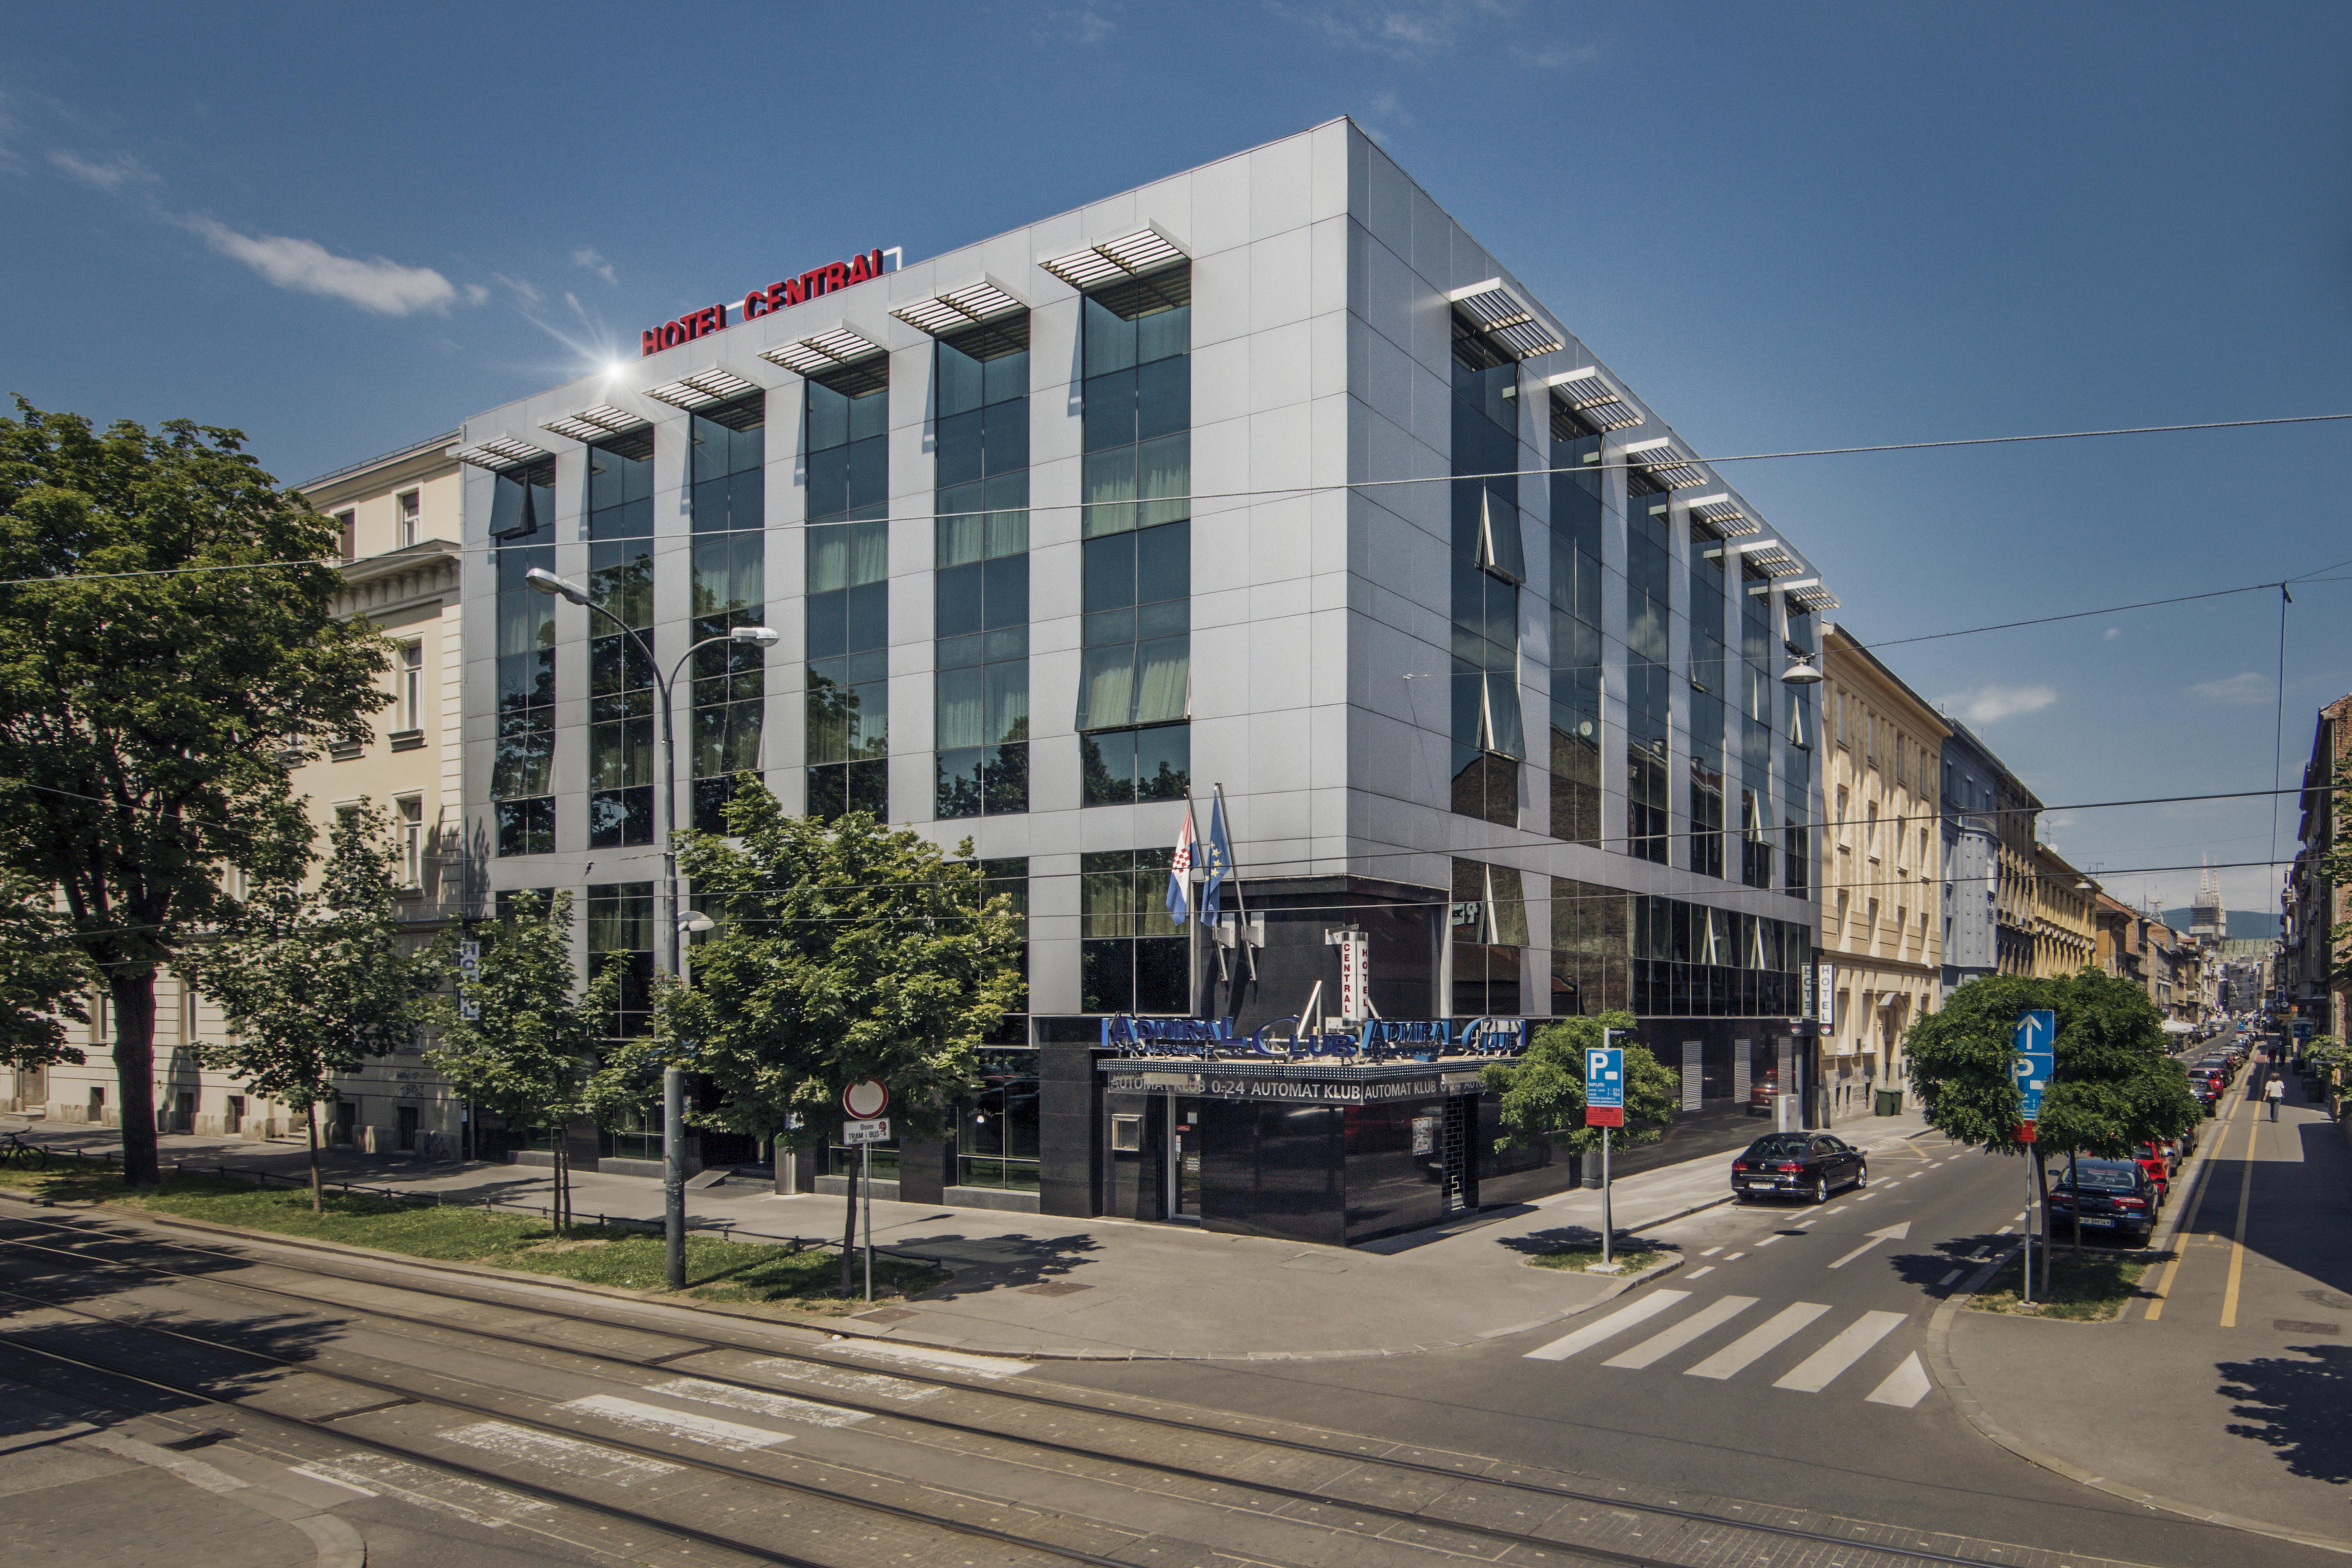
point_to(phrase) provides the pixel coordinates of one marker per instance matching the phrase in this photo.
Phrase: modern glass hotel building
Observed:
(1267, 478)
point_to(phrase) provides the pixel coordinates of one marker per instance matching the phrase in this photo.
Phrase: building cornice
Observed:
(400, 579)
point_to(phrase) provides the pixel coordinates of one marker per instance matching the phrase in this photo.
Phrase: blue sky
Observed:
(345, 229)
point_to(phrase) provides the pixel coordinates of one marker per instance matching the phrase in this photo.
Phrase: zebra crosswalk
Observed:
(1904, 1387)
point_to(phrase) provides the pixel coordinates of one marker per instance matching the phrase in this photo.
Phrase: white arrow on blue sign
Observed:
(1605, 1077)
(2036, 1044)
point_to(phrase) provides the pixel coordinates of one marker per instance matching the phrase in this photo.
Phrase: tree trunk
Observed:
(557, 1211)
(849, 1235)
(132, 993)
(318, 1186)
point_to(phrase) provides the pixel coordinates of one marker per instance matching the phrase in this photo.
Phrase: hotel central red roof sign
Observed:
(785, 292)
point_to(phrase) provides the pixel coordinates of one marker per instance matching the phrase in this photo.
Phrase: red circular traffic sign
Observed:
(865, 1099)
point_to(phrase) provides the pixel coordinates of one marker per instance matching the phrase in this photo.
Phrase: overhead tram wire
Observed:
(1352, 485)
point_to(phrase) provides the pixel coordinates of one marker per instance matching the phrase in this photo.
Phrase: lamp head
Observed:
(762, 636)
(695, 921)
(547, 581)
(1801, 671)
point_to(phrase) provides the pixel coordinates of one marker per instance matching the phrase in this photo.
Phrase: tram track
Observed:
(1398, 1475)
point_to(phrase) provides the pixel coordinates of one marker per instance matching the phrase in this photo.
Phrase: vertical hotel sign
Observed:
(785, 291)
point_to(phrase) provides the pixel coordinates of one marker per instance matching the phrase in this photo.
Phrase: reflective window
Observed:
(1575, 629)
(727, 484)
(620, 528)
(1488, 565)
(1131, 955)
(980, 569)
(522, 790)
(848, 602)
(621, 931)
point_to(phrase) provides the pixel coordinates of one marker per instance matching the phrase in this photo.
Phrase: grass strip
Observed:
(1582, 1257)
(752, 1273)
(2091, 1288)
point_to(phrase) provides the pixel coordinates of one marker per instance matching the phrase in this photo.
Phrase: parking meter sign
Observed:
(2035, 1044)
(1604, 1087)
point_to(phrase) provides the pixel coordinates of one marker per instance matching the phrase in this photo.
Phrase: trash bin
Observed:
(1890, 1103)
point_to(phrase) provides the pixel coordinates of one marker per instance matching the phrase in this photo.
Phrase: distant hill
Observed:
(2247, 925)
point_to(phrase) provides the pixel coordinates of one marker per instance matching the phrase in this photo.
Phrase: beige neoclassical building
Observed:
(1881, 866)
(399, 517)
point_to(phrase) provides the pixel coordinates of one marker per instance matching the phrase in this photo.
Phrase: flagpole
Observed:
(1240, 905)
(1191, 920)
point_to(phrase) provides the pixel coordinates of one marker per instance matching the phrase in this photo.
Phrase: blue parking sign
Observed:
(1604, 1087)
(2036, 1046)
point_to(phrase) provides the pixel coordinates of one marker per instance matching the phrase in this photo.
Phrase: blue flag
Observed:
(1216, 860)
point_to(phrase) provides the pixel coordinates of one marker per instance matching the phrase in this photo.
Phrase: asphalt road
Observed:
(1781, 1364)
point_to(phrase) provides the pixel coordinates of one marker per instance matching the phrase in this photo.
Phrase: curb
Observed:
(1956, 1387)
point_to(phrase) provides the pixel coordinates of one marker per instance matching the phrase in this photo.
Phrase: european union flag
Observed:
(1216, 860)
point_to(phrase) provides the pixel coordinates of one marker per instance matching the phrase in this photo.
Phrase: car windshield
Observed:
(1778, 1146)
(2106, 1178)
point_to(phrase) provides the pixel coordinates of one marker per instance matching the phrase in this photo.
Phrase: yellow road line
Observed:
(2238, 1242)
(2188, 1207)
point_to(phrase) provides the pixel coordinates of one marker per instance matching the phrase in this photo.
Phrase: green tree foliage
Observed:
(42, 976)
(147, 694)
(529, 1057)
(313, 983)
(1542, 1092)
(843, 951)
(2114, 1085)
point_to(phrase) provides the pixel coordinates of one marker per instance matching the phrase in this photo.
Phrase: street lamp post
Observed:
(665, 955)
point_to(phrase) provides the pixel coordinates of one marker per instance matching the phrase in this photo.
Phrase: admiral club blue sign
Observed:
(1380, 1039)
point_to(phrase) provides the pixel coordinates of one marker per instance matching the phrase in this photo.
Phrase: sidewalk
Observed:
(2226, 1397)
(1043, 1285)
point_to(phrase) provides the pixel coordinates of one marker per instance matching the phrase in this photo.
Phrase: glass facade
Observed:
(728, 479)
(1490, 931)
(1135, 684)
(996, 1131)
(1649, 684)
(1131, 957)
(620, 927)
(620, 528)
(980, 569)
(523, 534)
(1009, 877)
(1576, 504)
(1755, 728)
(1488, 566)
(1709, 668)
(847, 446)
(1661, 957)
(1797, 762)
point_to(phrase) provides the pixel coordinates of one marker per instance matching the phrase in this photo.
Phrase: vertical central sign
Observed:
(1604, 1087)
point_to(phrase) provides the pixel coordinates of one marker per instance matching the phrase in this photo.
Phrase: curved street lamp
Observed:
(666, 956)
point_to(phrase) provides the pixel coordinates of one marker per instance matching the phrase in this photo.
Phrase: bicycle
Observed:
(14, 1148)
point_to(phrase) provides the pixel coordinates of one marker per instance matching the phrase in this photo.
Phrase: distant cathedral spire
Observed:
(2205, 916)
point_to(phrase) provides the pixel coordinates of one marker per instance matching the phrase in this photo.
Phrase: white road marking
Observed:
(707, 1429)
(1696, 1272)
(1804, 1222)
(1825, 1365)
(374, 1474)
(1905, 1386)
(2004, 1230)
(1710, 1252)
(1840, 1209)
(588, 1461)
(923, 1355)
(2017, 1219)
(1892, 1233)
(879, 1384)
(1733, 1257)
(1865, 1197)
(1768, 1240)
(1735, 1357)
(782, 1407)
(1947, 1278)
(1616, 1322)
(1705, 1320)
(1915, 1175)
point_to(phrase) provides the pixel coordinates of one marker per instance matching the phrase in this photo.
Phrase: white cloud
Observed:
(522, 286)
(111, 175)
(2251, 690)
(476, 293)
(586, 257)
(1989, 704)
(1401, 31)
(2111, 634)
(1085, 26)
(385, 287)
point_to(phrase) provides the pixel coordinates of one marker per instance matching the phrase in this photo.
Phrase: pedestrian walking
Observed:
(2275, 1091)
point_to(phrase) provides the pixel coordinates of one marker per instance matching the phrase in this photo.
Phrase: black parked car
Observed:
(1798, 1164)
(2111, 1195)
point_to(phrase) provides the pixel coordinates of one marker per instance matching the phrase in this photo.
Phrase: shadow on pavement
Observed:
(999, 1262)
(1535, 1243)
(2301, 1408)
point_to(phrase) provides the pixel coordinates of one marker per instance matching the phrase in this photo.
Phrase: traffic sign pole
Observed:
(865, 1180)
(2032, 1066)
(1605, 1107)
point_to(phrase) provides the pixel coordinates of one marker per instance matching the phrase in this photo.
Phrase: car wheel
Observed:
(1821, 1189)
(1861, 1177)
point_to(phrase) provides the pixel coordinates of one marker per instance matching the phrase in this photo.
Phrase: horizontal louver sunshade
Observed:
(498, 452)
(704, 386)
(958, 308)
(1598, 400)
(1503, 316)
(814, 356)
(1129, 254)
(592, 423)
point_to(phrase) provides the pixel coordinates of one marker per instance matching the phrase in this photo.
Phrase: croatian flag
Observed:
(1179, 867)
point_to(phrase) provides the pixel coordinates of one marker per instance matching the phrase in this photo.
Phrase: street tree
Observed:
(528, 1054)
(842, 950)
(1541, 1093)
(312, 982)
(2113, 1083)
(42, 978)
(167, 633)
